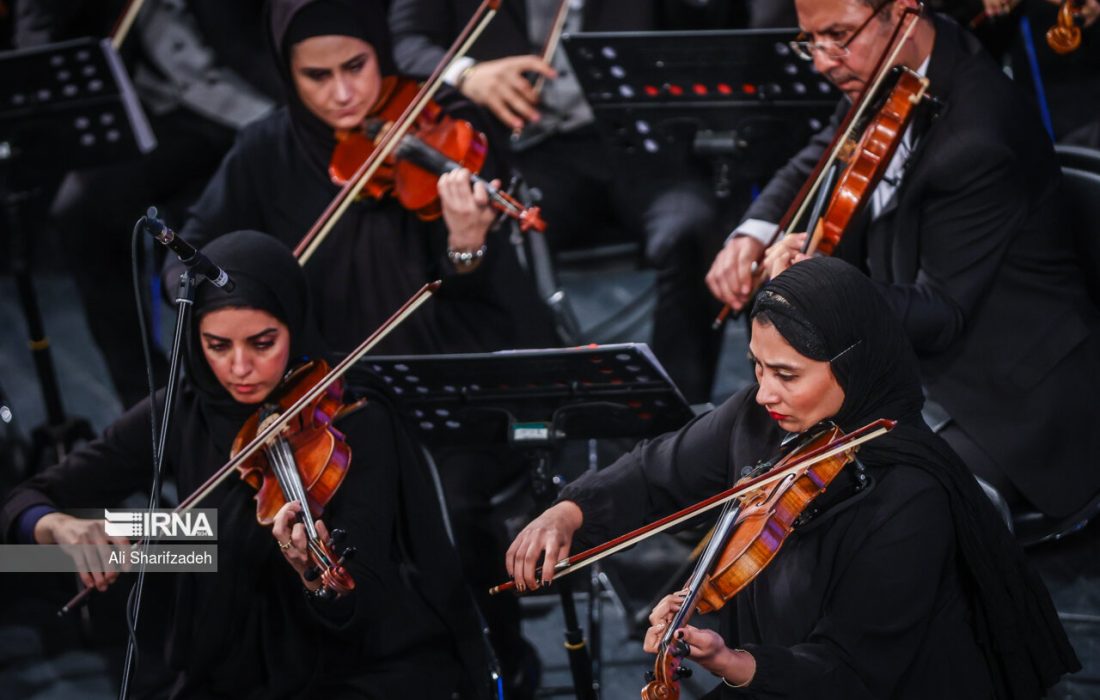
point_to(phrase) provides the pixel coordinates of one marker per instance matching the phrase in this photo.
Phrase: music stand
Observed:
(69, 105)
(534, 400)
(62, 106)
(526, 397)
(736, 97)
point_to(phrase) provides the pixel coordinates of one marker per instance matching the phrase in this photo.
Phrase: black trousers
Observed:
(589, 198)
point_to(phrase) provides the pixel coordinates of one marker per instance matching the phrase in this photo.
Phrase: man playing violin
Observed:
(966, 238)
(899, 581)
(257, 627)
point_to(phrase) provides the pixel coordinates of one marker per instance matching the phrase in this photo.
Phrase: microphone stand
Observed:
(185, 301)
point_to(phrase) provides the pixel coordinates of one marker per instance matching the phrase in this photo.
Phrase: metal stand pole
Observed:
(580, 664)
(185, 299)
(52, 441)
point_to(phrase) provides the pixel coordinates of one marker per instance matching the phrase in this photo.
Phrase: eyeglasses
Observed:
(832, 49)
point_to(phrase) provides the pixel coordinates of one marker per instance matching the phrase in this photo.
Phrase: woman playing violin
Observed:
(257, 628)
(900, 581)
(333, 57)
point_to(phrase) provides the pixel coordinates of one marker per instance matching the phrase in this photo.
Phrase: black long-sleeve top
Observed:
(865, 600)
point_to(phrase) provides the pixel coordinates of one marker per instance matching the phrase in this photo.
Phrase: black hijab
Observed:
(267, 277)
(293, 21)
(828, 310)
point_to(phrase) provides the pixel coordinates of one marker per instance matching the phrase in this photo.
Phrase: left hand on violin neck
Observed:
(466, 210)
(291, 536)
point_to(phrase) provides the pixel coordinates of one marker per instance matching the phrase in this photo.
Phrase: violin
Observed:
(436, 144)
(306, 462)
(314, 390)
(879, 117)
(1065, 36)
(748, 536)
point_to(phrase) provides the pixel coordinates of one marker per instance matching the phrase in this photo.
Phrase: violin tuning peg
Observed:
(683, 672)
(338, 535)
(348, 553)
(650, 676)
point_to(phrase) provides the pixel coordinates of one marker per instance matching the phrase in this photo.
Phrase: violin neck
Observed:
(719, 535)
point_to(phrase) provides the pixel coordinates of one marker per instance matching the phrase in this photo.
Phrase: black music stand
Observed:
(735, 97)
(62, 106)
(533, 400)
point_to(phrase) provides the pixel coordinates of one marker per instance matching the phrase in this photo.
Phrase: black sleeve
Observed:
(366, 507)
(658, 476)
(781, 190)
(96, 475)
(422, 29)
(885, 584)
(977, 200)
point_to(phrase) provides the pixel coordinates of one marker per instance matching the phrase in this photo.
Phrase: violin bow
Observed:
(847, 442)
(125, 22)
(553, 37)
(390, 140)
(276, 425)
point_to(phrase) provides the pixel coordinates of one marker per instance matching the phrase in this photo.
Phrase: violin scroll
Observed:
(663, 683)
(1065, 36)
(335, 579)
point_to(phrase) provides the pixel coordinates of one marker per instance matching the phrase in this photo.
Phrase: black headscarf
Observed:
(267, 277)
(293, 21)
(828, 310)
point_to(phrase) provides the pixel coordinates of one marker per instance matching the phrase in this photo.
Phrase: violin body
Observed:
(321, 453)
(767, 518)
(867, 161)
(307, 461)
(413, 185)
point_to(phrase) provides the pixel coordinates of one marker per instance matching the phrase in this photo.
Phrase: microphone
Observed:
(195, 261)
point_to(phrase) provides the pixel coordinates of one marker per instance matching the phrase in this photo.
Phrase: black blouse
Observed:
(865, 600)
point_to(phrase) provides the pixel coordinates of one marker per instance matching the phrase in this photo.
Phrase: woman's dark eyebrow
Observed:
(354, 59)
(772, 365)
(780, 365)
(262, 333)
(266, 331)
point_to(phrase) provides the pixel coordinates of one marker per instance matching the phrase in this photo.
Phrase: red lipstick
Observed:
(777, 416)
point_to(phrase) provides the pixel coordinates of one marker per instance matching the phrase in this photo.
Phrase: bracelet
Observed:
(738, 685)
(466, 258)
(320, 593)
